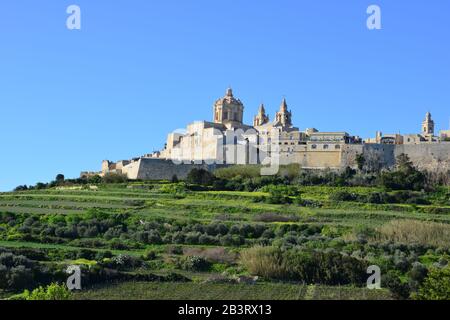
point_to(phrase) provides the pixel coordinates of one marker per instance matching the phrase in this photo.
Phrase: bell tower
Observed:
(261, 118)
(428, 126)
(284, 116)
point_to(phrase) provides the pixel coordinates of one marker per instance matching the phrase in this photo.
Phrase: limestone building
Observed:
(425, 136)
(227, 140)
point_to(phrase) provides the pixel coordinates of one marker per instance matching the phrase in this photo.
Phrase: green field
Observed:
(205, 291)
(132, 220)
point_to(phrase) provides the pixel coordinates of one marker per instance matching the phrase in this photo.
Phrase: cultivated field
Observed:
(166, 241)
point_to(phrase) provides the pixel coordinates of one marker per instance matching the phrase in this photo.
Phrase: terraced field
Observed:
(132, 220)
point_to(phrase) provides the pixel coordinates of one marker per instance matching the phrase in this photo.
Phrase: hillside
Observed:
(149, 240)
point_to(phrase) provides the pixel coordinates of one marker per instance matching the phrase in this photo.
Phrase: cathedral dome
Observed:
(229, 109)
(229, 99)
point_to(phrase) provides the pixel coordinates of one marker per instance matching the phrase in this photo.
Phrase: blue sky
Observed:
(139, 69)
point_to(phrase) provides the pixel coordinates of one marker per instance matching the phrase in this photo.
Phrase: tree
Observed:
(360, 161)
(21, 188)
(436, 286)
(95, 179)
(403, 163)
(59, 178)
(404, 177)
(40, 186)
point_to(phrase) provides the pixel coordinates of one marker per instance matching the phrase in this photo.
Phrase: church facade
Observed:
(227, 140)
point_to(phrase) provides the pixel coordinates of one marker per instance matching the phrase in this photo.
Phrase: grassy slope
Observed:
(207, 206)
(204, 207)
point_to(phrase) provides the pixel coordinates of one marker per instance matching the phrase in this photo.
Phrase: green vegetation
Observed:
(231, 235)
(52, 292)
(436, 285)
(412, 231)
(311, 267)
(224, 291)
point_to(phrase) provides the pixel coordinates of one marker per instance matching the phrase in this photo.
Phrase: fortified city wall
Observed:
(431, 157)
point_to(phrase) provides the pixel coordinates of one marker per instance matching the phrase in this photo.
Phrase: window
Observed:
(337, 147)
(325, 146)
(314, 146)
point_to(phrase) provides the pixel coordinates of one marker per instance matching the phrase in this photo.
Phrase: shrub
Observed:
(52, 292)
(252, 171)
(94, 179)
(214, 255)
(417, 275)
(177, 250)
(195, 263)
(207, 240)
(114, 178)
(436, 286)
(288, 190)
(343, 196)
(398, 289)
(312, 267)
(126, 262)
(149, 255)
(201, 177)
(278, 198)
(232, 240)
(174, 188)
(17, 272)
(377, 197)
(405, 177)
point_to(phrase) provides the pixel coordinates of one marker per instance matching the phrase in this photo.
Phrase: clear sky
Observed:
(139, 69)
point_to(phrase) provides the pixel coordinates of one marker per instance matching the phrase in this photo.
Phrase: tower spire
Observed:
(262, 110)
(261, 118)
(284, 116)
(283, 107)
(428, 126)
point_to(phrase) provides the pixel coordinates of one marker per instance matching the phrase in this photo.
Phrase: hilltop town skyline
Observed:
(115, 88)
